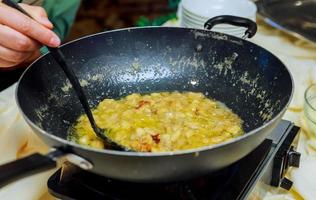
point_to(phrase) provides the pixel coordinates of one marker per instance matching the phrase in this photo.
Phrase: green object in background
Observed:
(173, 4)
(144, 21)
(62, 14)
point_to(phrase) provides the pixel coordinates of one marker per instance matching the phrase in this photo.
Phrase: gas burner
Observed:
(267, 165)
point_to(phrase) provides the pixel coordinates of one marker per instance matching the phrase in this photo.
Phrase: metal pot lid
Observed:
(296, 17)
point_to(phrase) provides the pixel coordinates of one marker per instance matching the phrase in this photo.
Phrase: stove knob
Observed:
(286, 184)
(294, 158)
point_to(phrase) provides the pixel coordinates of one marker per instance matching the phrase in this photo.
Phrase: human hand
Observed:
(21, 37)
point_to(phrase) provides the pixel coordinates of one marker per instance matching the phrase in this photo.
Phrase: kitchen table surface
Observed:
(17, 139)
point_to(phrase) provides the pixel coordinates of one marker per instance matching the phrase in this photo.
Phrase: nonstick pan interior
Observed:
(248, 79)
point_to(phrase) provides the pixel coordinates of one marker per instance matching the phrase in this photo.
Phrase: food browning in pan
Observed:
(160, 122)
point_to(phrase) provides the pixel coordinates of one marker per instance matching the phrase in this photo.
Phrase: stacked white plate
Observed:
(194, 13)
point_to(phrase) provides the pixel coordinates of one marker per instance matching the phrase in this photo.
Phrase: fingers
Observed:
(15, 48)
(27, 26)
(38, 13)
(14, 40)
(33, 56)
(13, 56)
(6, 64)
(21, 37)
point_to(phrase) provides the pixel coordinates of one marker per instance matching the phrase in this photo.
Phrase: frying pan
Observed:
(247, 78)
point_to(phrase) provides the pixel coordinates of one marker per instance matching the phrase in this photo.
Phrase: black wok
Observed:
(247, 78)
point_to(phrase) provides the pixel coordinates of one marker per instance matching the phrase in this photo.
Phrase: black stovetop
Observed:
(225, 184)
(233, 182)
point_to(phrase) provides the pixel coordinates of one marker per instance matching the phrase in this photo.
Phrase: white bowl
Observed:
(212, 8)
(194, 14)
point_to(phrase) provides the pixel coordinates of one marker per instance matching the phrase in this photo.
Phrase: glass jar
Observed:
(310, 108)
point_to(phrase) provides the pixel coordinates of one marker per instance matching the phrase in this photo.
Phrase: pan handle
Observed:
(37, 163)
(27, 166)
(233, 20)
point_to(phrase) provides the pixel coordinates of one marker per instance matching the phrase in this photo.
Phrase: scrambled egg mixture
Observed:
(160, 122)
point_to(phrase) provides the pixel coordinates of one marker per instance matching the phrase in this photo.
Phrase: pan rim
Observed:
(154, 154)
